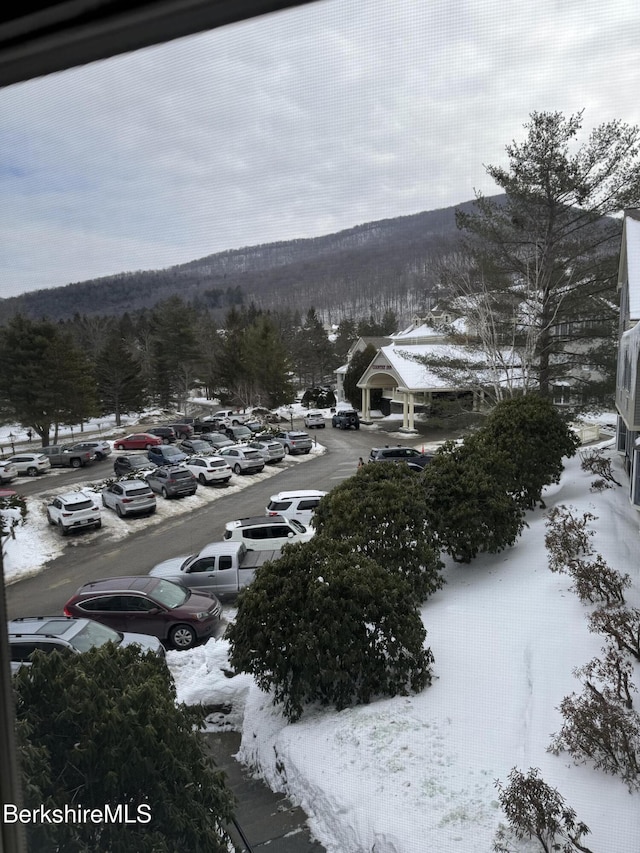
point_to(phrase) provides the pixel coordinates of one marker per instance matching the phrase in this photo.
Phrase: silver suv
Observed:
(67, 635)
(242, 459)
(172, 481)
(294, 441)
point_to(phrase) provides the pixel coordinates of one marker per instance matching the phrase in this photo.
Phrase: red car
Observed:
(137, 441)
(148, 605)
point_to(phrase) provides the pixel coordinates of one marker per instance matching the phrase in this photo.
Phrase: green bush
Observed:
(102, 728)
(327, 624)
(381, 512)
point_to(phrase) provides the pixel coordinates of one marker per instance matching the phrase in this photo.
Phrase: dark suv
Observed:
(346, 419)
(172, 481)
(410, 455)
(166, 433)
(183, 430)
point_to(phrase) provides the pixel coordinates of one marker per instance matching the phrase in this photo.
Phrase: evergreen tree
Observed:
(124, 742)
(552, 244)
(314, 351)
(468, 504)
(381, 512)
(327, 624)
(45, 380)
(174, 349)
(357, 366)
(534, 437)
(346, 336)
(120, 383)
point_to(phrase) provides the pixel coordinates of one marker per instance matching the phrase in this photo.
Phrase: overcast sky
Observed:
(297, 124)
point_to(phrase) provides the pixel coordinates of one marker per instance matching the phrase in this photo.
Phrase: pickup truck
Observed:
(229, 417)
(221, 568)
(66, 456)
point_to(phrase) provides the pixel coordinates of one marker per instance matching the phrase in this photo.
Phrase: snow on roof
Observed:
(417, 376)
(632, 230)
(422, 331)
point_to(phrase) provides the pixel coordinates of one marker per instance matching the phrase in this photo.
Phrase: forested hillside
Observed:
(380, 265)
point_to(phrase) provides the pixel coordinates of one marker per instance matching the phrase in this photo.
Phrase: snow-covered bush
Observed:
(327, 624)
(613, 673)
(595, 462)
(567, 537)
(535, 810)
(596, 581)
(13, 513)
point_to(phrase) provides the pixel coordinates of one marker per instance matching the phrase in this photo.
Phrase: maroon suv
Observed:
(147, 605)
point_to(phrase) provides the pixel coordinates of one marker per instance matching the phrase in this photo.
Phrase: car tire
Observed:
(166, 441)
(237, 469)
(104, 503)
(307, 451)
(202, 479)
(356, 426)
(32, 472)
(148, 447)
(182, 637)
(76, 463)
(99, 456)
(286, 449)
(164, 493)
(323, 426)
(118, 447)
(152, 511)
(333, 423)
(226, 479)
(63, 529)
(98, 524)
(118, 510)
(50, 520)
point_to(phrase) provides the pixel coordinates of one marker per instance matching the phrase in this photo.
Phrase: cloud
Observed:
(291, 125)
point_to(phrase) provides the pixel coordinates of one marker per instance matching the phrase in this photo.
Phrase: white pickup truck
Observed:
(222, 568)
(229, 417)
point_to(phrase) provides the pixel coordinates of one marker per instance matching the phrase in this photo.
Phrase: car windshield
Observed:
(171, 451)
(170, 594)
(139, 460)
(94, 634)
(200, 446)
(299, 528)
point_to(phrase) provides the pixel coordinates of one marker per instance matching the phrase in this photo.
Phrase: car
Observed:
(414, 458)
(30, 464)
(8, 471)
(270, 449)
(256, 427)
(266, 533)
(129, 497)
(345, 419)
(69, 636)
(294, 441)
(314, 420)
(166, 433)
(148, 605)
(166, 454)
(216, 439)
(195, 445)
(242, 459)
(230, 417)
(300, 504)
(137, 441)
(99, 449)
(66, 456)
(132, 464)
(74, 511)
(238, 434)
(172, 481)
(183, 430)
(209, 469)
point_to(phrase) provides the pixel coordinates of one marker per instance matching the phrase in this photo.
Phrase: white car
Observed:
(314, 420)
(73, 511)
(209, 469)
(8, 471)
(242, 459)
(30, 464)
(267, 533)
(299, 505)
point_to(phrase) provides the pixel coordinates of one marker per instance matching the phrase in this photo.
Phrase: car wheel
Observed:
(165, 441)
(118, 510)
(63, 529)
(333, 424)
(99, 456)
(32, 472)
(357, 426)
(307, 451)
(182, 637)
(98, 524)
(50, 520)
(202, 479)
(323, 426)
(286, 448)
(76, 463)
(118, 447)
(237, 469)
(152, 511)
(148, 446)
(104, 503)
(164, 492)
(226, 479)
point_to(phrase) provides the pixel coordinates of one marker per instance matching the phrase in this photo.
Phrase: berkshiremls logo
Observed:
(124, 813)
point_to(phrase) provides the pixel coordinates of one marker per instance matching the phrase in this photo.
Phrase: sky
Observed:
(293, 125)
(418, 772)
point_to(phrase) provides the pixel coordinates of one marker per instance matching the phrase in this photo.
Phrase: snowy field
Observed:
(417, 773)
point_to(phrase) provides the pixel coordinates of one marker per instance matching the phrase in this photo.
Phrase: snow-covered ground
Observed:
(417, 773)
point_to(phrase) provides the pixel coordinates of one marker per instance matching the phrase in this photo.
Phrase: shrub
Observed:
(468, 505)
(536, 810)
(327, 624)
(595, 462)
(622, 624)
(613, 672)
(381, 512)
(596, 581)
(567, 537)
(533, 435)
(102, 728)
